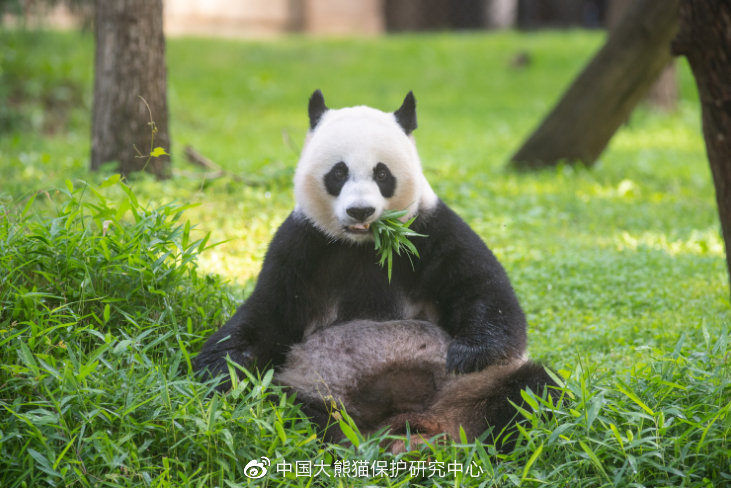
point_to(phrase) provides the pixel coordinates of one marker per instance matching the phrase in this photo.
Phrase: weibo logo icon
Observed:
(256, 468)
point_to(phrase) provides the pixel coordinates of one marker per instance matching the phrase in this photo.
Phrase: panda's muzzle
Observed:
(361, 214)
(358, 228)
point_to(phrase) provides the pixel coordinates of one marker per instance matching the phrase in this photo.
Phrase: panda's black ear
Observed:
(406, 114)
(316, 108)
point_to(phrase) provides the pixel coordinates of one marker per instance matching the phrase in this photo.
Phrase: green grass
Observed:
(107, 289)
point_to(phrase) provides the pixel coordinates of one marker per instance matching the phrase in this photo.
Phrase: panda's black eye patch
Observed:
(385, 180)
(336, 178)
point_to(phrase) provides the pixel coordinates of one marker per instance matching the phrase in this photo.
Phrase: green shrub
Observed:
(664, 423)
(100, 305)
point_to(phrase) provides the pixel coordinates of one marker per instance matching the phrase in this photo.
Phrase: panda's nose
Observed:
(360, 213)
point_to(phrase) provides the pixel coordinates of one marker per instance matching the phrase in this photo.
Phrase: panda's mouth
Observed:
(363, 228)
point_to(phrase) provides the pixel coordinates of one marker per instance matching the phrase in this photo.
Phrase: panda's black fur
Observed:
(321, 282)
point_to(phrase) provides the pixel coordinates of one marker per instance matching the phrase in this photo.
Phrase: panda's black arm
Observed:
(476, 303)
(243, 339)
(226, 342)
(259, 334)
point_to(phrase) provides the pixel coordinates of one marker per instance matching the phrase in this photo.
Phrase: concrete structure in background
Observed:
(501, 14)
(342, 17)
(257, 18)
(261, 18)
(234, 18)
(266, 18)
(228, 18)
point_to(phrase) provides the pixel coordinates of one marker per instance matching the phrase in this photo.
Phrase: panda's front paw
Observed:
(465, 358)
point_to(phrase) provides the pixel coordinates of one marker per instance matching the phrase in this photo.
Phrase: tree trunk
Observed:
(604, 94)
(130, 87)
(663, 94)
(705, 39)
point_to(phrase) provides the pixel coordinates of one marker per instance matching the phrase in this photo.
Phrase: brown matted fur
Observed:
(393, 374)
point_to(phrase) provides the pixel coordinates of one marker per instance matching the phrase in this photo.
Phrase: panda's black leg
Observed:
(322, 415)
(500, 414)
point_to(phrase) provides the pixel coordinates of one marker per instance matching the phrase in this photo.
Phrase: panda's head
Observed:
(358, 162)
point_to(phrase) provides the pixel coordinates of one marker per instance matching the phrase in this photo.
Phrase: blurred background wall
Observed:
(262, 18)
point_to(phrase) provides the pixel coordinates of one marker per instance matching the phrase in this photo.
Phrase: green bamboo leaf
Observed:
(377, 239)
(111, 181)
(532, 460)
(27, 206)
(349, 432)
(391, 235)
(280, 431)
(594, 459)
(411, 247)
(636, 399)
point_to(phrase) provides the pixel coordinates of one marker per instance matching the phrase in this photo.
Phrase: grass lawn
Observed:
(108, 289)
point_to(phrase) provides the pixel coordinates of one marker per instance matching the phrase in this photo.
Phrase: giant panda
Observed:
(439, 345)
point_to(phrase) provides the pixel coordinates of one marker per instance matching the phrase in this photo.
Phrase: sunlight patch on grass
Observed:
(237, 266)
(663, 137)
(700, 242)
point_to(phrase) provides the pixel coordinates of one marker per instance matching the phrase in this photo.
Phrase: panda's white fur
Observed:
(361, 137)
